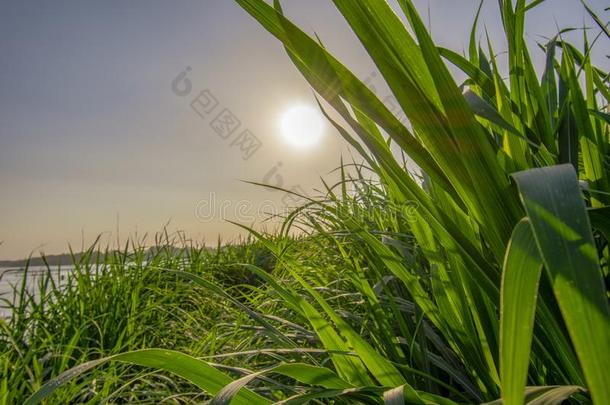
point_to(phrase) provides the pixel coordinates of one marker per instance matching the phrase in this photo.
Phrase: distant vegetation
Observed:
(65, 259)
(483, 279)
(52, 260)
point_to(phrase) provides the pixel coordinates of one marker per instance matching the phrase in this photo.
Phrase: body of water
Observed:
(12, 278)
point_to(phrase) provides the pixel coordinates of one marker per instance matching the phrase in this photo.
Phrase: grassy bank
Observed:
(482, 278)
(115, 301)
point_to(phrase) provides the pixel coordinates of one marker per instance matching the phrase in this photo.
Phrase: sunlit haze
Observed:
(119, 117)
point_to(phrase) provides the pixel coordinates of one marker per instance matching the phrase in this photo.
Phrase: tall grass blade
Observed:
(520, 277)
(562, 231)
(197, 371)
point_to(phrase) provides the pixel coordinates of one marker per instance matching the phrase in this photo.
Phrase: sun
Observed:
(302, 126)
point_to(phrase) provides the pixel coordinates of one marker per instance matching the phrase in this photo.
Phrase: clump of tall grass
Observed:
(493, 287)
(107, 302)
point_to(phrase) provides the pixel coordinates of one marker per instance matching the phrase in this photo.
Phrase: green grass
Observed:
(116, 301)
(483, 280)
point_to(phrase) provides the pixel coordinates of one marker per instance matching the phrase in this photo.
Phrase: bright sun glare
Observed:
(302, 126)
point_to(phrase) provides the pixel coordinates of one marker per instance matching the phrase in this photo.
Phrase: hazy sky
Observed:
(91, 131)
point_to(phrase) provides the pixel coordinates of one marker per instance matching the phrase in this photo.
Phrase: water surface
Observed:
(12, 278)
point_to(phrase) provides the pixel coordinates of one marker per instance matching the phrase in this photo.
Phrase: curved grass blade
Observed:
(562, 231)
(304, 373)
(545, 395)
(196, 371)
(556, 395)
(483, 109)
(402, 395)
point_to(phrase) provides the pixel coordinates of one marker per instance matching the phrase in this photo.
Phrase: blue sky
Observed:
(90, 130)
